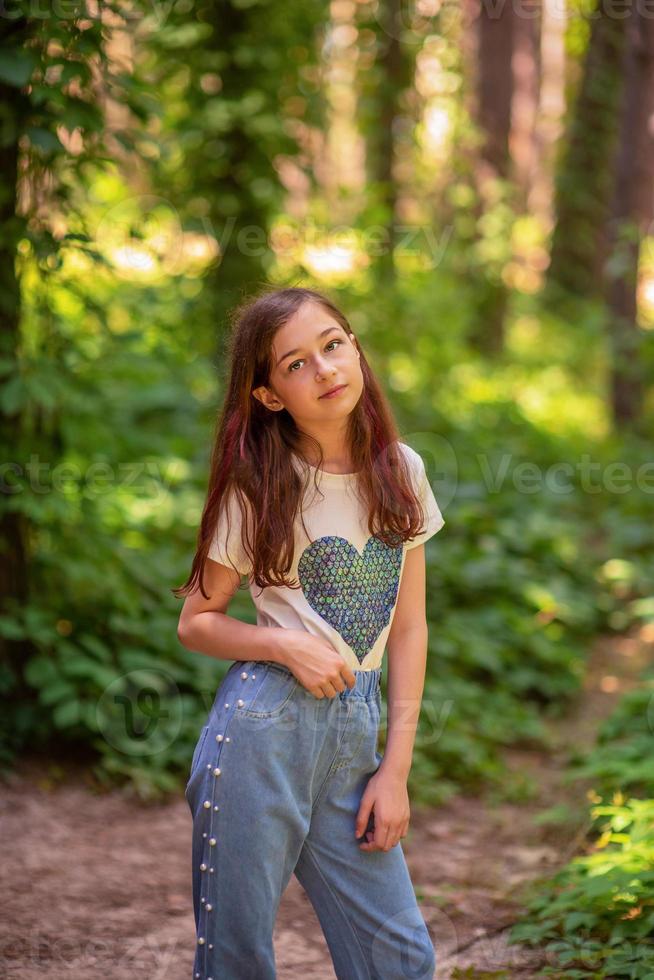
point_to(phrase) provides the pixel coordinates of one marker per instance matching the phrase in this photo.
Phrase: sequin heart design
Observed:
(354, 593)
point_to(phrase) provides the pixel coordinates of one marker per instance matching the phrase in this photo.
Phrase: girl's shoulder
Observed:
(413, 458)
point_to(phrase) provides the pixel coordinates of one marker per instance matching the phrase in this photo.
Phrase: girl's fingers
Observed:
(394, 838)
(387, 841)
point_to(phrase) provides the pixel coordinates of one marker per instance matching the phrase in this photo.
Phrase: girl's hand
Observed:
(385, 800)
(316, 664)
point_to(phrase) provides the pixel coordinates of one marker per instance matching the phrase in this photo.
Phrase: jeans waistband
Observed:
(368, 682)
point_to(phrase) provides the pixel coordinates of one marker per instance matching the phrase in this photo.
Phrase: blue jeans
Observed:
(275, 785)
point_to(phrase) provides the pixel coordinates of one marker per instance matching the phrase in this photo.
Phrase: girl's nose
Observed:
(323, 368)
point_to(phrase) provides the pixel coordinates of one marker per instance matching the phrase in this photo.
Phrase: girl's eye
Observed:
(292, 365)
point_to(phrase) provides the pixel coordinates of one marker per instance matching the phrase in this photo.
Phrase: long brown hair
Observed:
(251, 453)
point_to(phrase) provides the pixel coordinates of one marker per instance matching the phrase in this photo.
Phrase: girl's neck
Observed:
(335, 459)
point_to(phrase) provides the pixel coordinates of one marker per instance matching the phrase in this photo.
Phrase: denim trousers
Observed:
(274, 788)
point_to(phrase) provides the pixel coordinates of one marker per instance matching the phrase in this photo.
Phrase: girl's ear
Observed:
(267, 398)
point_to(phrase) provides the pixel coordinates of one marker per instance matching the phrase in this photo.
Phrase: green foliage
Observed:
(45, 62)
(512, 601)
(622, 755)
(238, 83)
(596, 915)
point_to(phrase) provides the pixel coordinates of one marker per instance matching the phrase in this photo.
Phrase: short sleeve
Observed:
(433, 521)
(226, 544)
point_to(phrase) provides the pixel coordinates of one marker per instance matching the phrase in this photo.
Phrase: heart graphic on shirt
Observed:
(354, 593)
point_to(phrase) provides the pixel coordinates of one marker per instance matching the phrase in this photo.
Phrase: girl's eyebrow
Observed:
(298, 350)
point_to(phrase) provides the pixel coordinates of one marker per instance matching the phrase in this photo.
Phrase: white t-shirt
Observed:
(349, 579)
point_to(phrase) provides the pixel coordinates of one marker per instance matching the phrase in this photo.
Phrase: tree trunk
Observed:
(381, 111)
(524, 113)
(551, 111)
(390, 63)
(242, 265)
(494, 88)
(13, 524)
(583, 185)
(632, 212)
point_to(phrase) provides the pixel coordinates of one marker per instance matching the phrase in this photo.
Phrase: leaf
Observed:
(95, 647)
(75, 69)
(66, 714)
(16, 66)
(85, 668)
(60, 690)
(78, 113)
(13, 395)
(41, 671)
(11, 629)
(75, 236)
(43, 138)
(575, 919)
(8, 365)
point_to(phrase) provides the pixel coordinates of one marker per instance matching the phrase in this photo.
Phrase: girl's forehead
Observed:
(293, 337)
(311, 319)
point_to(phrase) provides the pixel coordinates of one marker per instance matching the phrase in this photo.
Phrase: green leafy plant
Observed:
(596, 915)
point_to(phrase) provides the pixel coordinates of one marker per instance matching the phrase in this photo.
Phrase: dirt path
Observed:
(99, 886)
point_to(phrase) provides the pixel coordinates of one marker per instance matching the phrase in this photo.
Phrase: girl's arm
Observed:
(386, 792)
(407, 660)
(205, 628)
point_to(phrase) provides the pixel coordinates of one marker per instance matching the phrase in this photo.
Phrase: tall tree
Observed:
(494, 87)
(16, 66)
(497, 32)
(631, 215)
(236, 82)
(584, 178)
(381, 114)
(526, 62)
(548, 124)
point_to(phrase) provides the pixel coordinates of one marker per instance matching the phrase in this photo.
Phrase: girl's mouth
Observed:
(335, 391)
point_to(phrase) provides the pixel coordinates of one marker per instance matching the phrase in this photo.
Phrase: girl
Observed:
(314, 499)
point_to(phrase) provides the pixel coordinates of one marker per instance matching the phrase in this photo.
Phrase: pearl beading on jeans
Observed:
(213, 808)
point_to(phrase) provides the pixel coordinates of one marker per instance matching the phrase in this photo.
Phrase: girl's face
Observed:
(312, 354)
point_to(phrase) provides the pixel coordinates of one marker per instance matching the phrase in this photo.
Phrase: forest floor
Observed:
(99, 885)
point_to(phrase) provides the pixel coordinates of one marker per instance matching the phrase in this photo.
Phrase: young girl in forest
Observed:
(313, 497)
